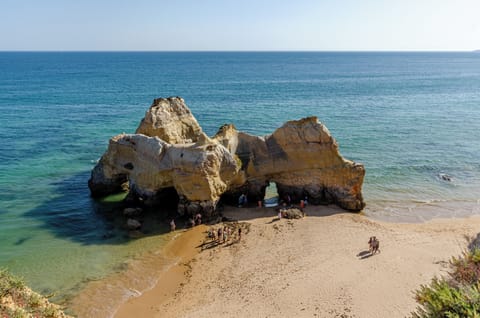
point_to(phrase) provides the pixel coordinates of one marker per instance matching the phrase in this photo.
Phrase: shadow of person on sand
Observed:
(364, 254)
(213, 244)
(231, 243)
(275, 219)
(208, 245)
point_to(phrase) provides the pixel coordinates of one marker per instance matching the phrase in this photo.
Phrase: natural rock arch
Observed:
(170, 150)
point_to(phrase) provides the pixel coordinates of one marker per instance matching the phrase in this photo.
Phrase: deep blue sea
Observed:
(410, 118)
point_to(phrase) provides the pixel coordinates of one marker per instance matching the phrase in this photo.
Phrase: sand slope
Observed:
(310, 268)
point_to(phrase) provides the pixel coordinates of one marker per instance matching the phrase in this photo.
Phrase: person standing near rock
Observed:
(198, 219)
(242, 200)
(172, 225)
(220, 234)
(229, 233)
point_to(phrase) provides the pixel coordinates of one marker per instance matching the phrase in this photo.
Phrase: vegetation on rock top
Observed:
(19, 301)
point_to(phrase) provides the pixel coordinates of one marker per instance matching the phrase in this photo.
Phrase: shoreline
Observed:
(103, 298)
(184, 249)
(223, 280)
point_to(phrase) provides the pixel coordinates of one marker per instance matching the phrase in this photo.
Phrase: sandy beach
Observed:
(317, 266)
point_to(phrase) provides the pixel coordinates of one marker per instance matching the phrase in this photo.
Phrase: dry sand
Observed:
(313, 267)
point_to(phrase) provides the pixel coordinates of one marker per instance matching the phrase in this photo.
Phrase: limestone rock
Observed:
(198, 171)
(18, 300)
(104, 182)
(170, 120)
(132, 211)
(302, 158)
(292, 213)
(170, 158)
(133, 224)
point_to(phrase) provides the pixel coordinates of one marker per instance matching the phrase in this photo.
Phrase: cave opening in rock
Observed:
(167, 198)
(271, 195)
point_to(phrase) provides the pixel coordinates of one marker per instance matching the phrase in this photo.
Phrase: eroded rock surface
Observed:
(170, 120)
(170, 151)
(302, 158)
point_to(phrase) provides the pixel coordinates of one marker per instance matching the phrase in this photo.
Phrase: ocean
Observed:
(413, 120)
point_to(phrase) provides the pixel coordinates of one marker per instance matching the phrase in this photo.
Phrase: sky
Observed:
(239, 25)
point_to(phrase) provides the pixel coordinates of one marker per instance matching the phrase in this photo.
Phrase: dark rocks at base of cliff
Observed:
(167, 198)
(253, 190)
(101, 186)
(207, 209)
(318, 195)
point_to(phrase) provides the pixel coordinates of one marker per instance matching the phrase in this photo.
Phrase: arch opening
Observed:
(271, 198)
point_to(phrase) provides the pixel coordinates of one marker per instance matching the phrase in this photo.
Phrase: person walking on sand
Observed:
(172, 225)
(239, 233)
(373, 244)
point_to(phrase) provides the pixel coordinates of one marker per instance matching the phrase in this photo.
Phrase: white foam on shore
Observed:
(103, 298)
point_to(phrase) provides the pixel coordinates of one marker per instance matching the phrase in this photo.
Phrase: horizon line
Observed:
(239, 51)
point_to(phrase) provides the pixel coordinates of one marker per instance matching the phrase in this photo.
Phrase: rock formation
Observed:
(302, 158)
(170, 120)
(170, 154)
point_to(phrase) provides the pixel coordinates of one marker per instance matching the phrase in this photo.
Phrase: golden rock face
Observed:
(302, 158)
(170, 120)
(169, 150)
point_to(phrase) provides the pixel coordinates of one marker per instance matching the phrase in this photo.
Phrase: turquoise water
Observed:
(409, 117)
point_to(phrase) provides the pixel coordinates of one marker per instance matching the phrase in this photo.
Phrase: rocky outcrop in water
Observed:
(169, 154)
(170, 120)
(302, 158)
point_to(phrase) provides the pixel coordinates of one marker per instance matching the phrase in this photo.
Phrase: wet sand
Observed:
(162, 268)
(183, 249)
(317, 266)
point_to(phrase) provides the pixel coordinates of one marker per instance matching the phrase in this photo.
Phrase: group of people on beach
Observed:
(285, 201)
(223, 234)
(197, 220)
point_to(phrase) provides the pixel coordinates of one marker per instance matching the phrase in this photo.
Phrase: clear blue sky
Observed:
(239, 25)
